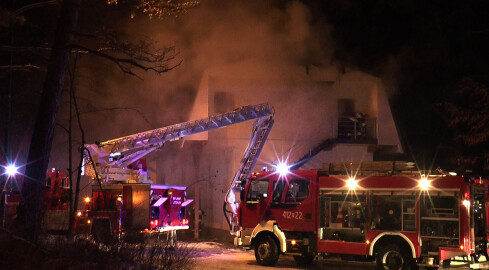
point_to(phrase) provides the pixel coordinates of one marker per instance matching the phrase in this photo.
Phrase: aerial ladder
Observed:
(261, 129)
(111, 159)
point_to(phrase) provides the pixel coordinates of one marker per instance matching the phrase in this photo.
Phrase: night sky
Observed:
(432, 55)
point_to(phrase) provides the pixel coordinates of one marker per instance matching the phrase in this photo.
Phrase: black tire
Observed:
(392, 257)
(266, 251)
(304, 259)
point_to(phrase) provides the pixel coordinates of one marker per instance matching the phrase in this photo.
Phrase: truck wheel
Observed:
(304, 259)
(266, 251)
(391, 257)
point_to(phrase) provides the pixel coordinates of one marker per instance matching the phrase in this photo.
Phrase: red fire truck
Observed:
(119, 207)
(55, 200)
(123, 198)
(401, 220)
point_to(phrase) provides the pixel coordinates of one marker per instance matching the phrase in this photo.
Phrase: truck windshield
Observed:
(258, 190)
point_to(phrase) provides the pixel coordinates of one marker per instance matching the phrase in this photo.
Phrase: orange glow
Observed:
(293, 242)
(424, 183)
(79, 213)
(89, 221)
(119, 199)
(87, 199)
(461, 247)
(352, 184)
(367, 242)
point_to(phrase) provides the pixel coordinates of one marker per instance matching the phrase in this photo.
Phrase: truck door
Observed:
(293, 205)
(256, 203)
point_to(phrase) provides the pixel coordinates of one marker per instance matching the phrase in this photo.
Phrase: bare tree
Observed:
(468, 116)
(128, 56)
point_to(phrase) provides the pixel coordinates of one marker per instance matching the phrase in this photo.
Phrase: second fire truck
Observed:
(122, 196)
(400, 219)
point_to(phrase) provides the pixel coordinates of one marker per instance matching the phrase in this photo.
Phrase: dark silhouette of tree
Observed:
(30, 215)
(128, 56)
(467, 114)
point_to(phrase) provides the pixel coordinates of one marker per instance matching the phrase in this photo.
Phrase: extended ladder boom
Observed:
(134, 147)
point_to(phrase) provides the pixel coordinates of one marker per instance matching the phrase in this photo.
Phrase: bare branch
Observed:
(33, 6)
(63, 127)
(4, 70)
(127, 64)
(7, 16)
(24, 48)
(165, 8)
(42, 52)
(26, 67)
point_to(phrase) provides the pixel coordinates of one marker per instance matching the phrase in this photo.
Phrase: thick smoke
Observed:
(257, 51)
(243, 43)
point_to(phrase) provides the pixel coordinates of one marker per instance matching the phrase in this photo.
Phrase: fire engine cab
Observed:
(400, 219)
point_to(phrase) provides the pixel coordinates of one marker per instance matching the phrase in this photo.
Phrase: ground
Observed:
(223, 256)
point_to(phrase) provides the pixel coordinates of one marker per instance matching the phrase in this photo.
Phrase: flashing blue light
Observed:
(11, 170)
(282, 168)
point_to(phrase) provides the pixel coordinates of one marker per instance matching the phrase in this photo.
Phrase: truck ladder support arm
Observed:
(261, 129)
(138, 145)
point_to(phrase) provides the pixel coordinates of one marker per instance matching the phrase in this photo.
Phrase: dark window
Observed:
(346, 107)
(297, 191)
(386, 212)
(439, 216)
(258, 190)
(439, 206)
(342, 216)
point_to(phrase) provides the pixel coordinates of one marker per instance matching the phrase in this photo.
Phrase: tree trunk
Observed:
(29, 216)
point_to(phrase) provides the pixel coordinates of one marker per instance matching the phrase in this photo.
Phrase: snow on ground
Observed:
(224, 256)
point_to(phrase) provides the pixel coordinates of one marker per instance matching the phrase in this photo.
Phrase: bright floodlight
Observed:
(351, 183)
(424, 184)
(466, 203)
(282, 168)
(11, 170)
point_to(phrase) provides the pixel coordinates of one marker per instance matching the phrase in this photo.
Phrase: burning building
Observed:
(342, 117)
